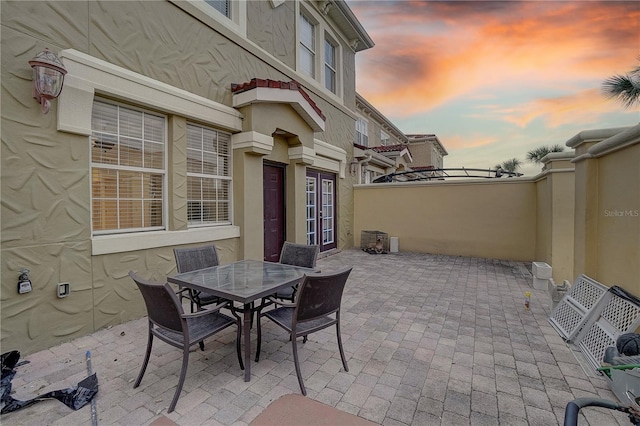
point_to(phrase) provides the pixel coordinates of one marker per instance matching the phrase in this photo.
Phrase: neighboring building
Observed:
(427, 151)
(179, 123)
(373, 130)
(381, 148)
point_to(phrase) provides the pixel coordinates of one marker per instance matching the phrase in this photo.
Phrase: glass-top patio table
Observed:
(244, 281)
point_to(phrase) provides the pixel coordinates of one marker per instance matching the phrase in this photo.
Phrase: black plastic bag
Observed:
(75, 397)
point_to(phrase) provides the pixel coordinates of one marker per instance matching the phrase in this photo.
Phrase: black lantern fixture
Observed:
(48, 77)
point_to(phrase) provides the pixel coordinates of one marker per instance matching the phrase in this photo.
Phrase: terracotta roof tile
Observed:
(390, 148)
(276, 84)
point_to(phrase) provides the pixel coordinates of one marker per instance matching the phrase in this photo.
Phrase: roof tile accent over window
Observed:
(276, 84)
(391, 148)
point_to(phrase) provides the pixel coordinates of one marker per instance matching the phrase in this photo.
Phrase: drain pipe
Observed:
(363, 163)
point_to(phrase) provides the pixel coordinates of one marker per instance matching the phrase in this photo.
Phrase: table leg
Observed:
(246, 325)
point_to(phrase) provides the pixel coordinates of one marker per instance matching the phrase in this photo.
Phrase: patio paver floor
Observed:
(430, 340)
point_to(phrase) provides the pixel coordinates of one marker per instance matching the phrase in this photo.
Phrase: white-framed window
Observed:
(208, 176)
(222, 6)
(384, 138)
(128, 169)
(231, 14)
(330, 51)
(307, 46)
(362, 132)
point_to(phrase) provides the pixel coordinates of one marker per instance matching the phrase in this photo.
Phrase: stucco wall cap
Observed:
(557, 156)
(595, 135)
(630, 136)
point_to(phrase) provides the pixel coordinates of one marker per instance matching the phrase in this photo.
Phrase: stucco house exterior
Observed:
(427, 150)
(180, 123)
(381, 148)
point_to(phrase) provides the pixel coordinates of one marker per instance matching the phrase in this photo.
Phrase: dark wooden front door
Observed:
(321, 209)
(274, 213)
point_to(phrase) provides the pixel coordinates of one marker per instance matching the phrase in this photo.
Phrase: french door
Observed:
(321, 209)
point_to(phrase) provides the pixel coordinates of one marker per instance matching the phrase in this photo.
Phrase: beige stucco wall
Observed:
(470, 218)
(562, 230)
(422, 153)
(555, 188)
(45, 185)
(274, 30)
(618, 241)
(544, 222)
(607, 206)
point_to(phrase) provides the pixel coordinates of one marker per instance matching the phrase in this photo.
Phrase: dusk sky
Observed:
(495, 79)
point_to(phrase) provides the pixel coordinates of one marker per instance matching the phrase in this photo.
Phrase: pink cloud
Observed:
(583, 106)
(459, 141)
(483, 48)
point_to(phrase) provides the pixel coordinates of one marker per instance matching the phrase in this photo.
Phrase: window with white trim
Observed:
(222, 6)
(384, 138)
(307, 47)
(362, 132)
(329, 65)
(128, 169)
(208, 176)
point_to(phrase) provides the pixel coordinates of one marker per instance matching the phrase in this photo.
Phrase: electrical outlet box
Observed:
(24, 287)
(64, 289)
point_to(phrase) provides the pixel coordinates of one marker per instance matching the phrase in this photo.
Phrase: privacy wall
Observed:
(494, 219)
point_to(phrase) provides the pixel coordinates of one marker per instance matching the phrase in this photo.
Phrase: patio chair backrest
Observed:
(320, 294)
(191, 259)
(299, 254)
(163, 306)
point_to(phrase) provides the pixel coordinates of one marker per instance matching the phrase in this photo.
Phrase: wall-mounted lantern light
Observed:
(48, 77)
(353, 167)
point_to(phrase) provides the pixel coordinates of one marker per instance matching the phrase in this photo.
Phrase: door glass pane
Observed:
(311, 211)
(327, 211)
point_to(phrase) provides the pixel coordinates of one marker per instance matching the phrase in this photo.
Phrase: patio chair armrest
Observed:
(278, 302)
(206, 310)
(182, 290)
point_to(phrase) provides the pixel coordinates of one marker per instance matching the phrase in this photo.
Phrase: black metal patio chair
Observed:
(169, 323)
(191, 259)
(317, 307)
(302, 255)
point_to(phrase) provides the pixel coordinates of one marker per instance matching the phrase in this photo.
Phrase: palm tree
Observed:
(536, 155)
(511, 165)
(626, 88)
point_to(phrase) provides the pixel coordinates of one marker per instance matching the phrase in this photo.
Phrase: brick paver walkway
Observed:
(430, 340)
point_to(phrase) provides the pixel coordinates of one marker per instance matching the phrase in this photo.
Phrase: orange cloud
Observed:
(458, 141)
(582, 107)
(431, 55)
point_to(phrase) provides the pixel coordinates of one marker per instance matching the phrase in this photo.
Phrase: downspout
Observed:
(363, 163)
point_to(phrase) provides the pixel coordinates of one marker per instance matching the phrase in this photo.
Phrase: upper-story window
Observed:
(329, 66)
(222, 6)
(128, 169)
(384, 138)
(362, 132)
(208, 176)
(307, 48)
